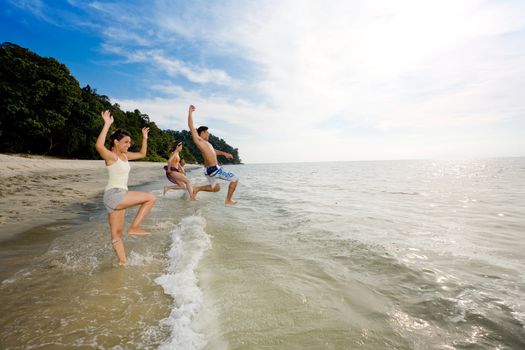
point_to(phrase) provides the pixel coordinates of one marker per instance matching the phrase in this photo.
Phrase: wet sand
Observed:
(36, 190)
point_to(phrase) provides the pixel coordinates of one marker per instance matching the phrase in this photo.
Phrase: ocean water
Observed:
(351, 255)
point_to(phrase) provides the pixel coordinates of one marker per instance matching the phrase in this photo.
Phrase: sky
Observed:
(301, 81)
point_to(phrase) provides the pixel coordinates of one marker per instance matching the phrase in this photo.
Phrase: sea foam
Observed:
(189, 242)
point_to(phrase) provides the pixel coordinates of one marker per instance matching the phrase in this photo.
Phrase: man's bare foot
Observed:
(230, 202)
(122, 263)
(137, 231)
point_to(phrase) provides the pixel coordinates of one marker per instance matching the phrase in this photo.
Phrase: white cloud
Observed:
(323, 70)
(175, 67)
(353, 59)
(374, 79)
(123, 35)
(171, 112)
(37, 8)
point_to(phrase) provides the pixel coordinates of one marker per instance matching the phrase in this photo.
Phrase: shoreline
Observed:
(39, 190)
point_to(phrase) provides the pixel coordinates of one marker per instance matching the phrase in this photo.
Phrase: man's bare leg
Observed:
(231, 188)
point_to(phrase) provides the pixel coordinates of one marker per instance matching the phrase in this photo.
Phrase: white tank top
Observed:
(118, 174)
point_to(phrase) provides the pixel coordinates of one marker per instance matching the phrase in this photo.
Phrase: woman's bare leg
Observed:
(184, 181)
(146, 202)
(116, 226)
(174, 187)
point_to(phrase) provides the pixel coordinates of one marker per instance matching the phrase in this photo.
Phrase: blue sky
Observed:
(301, 80)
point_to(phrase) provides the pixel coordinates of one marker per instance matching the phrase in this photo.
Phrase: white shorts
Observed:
(213, 173)
(113, 197)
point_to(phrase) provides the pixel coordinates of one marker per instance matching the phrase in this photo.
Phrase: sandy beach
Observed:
(36, 190)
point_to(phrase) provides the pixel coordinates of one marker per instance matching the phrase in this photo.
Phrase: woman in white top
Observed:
(117, 198)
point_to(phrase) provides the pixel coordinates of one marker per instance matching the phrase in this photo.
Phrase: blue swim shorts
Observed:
(215, 172)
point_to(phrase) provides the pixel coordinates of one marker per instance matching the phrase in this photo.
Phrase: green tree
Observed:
(38, 96)
(44, 110)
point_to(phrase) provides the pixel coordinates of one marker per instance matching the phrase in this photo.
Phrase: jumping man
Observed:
(212, 171)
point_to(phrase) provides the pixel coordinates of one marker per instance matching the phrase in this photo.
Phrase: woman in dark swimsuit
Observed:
(175, 172)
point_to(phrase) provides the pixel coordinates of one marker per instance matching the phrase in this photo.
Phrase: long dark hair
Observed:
(118, 135)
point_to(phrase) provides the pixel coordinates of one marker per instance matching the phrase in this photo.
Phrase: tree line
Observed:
(43, 110)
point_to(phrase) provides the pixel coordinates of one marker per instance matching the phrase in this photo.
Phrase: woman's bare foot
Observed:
(118, 247)
(230, 202)
(137, 231)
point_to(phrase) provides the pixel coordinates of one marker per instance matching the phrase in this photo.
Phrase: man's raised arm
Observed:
(193, 131)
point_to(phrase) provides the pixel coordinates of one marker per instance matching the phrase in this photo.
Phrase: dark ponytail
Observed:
(174, 146)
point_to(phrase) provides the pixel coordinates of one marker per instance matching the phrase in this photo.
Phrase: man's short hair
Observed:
(201, 129)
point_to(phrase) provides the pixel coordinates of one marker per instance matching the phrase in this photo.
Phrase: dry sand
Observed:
(36, 190)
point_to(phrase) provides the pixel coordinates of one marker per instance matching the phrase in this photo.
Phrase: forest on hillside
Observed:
(43, 110)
